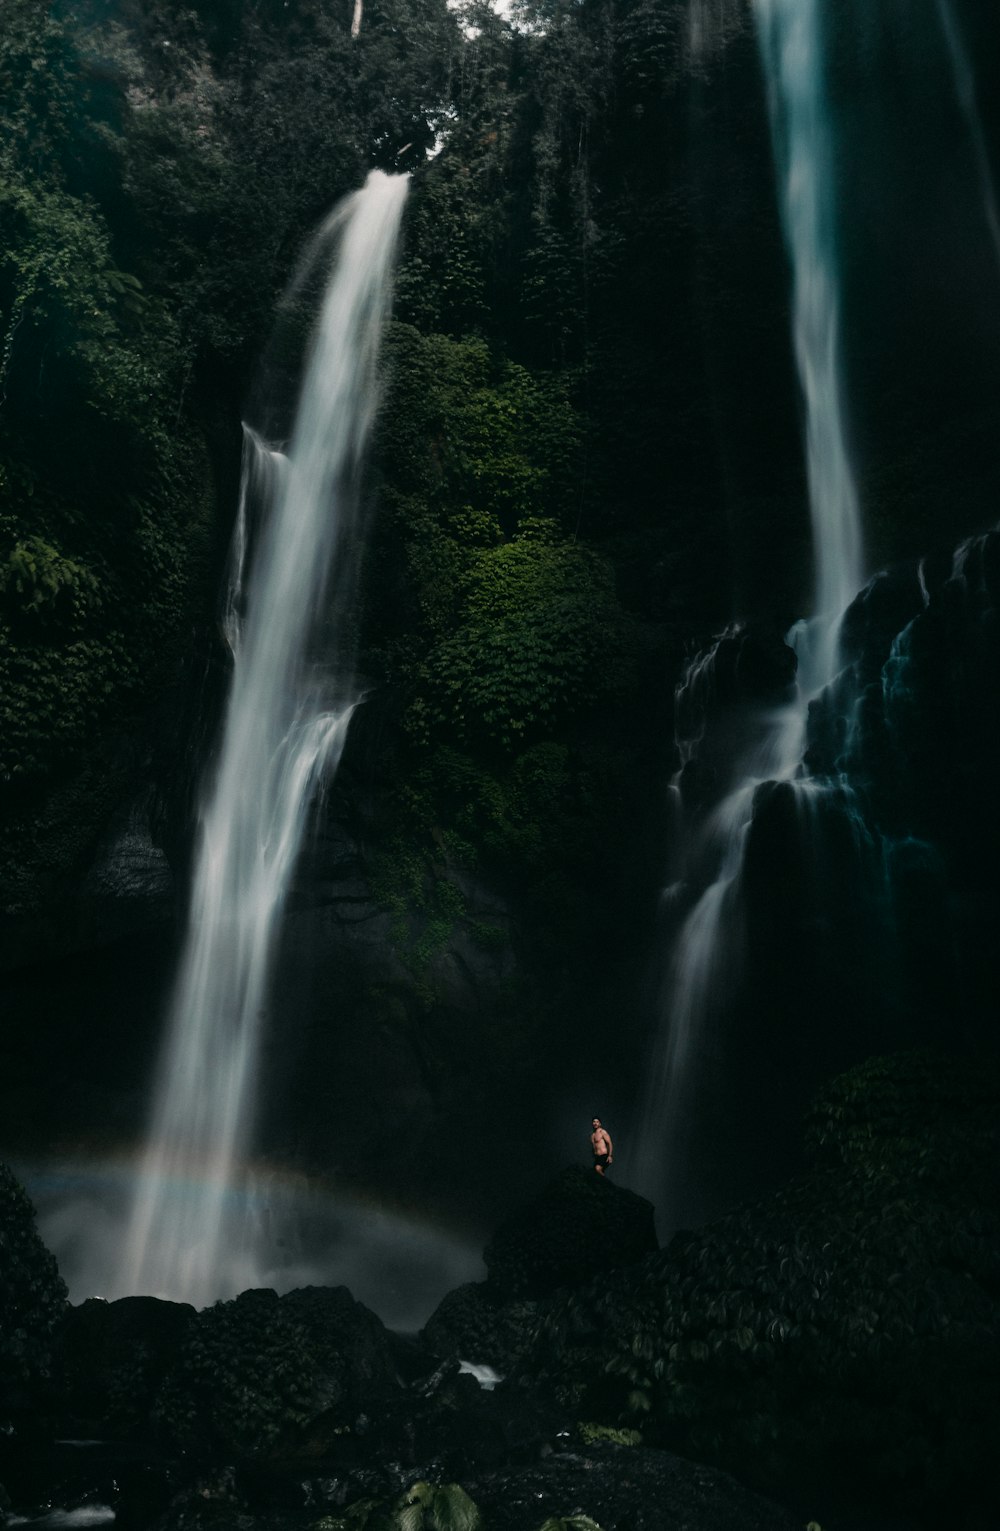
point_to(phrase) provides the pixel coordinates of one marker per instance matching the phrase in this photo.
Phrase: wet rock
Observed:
(580, 1223)
(453, 1423)
(626, 1489)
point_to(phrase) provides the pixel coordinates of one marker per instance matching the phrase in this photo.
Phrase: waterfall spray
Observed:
(707, 942)
(293, 564)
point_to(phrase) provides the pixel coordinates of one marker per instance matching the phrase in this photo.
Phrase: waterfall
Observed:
(704, 905)
(791, 44)
(965, 88)
(292, 568)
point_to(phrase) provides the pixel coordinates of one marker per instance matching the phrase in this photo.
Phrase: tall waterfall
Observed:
(293, 563)
(704, 905)
(965, 88)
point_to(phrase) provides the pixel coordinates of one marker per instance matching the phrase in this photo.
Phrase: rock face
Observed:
(912, 725)
(580, 1223)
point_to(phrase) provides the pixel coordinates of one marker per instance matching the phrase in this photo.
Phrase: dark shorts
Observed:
(601, 1159)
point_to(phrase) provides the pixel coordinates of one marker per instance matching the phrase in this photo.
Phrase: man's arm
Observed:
(611, 1151)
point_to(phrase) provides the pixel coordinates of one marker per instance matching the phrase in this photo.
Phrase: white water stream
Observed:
(292, 696)
(707, 950)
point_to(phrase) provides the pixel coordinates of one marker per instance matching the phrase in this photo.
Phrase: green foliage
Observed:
(43, 582)
(32, 1302)
(422, 1507)
(501, 635)
(88, 353)
(540, 637)
(852, 1318)
(908, 1117)
(594, 1434)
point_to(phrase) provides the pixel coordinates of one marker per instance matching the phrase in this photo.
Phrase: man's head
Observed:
(597, 1122)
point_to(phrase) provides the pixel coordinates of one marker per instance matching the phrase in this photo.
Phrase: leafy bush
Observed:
(422, 1507)
(541, 637)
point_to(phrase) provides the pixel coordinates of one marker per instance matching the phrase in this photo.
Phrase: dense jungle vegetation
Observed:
(588, 458)
(563, 427)
(545, 532)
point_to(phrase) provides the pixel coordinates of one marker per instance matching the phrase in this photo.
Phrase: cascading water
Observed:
(293, 563)
(704, 904)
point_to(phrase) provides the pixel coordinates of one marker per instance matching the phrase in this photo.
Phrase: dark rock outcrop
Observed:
(116, 1356)
(345, 1339)
(580, 1223)
(475, 1324)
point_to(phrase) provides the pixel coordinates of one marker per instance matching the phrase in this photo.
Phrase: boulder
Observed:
(347, 1340)
(580, 1224)
(473, 1323)
(263, 1378)
(117, 1355)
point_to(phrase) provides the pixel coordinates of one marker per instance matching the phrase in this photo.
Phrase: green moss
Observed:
(594, 1434)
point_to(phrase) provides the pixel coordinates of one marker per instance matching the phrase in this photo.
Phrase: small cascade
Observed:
(292, 570)
(705, 916)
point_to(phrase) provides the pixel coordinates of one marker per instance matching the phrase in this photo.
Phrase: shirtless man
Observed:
(600, 1142)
